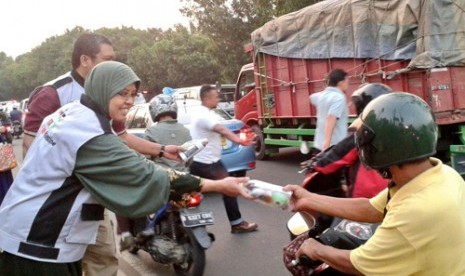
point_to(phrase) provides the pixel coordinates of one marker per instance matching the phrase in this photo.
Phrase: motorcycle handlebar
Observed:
(306, 261)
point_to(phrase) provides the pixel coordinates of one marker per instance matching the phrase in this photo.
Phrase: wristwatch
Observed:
(162, 151)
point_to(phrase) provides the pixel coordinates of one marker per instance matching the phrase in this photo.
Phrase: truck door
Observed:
(245, 101)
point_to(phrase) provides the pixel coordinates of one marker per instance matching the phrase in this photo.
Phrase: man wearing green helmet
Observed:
(422, 212)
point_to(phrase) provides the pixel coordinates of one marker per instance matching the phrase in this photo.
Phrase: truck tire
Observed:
(260, 150)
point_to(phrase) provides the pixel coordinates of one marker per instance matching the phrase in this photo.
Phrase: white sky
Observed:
(25, 24)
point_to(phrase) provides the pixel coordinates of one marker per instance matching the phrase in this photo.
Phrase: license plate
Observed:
(196, 219)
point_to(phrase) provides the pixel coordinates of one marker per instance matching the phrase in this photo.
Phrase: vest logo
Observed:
(46, 129)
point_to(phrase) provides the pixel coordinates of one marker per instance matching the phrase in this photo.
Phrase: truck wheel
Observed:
(260, 153)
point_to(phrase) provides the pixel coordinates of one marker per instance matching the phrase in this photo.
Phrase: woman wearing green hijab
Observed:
(75, 168)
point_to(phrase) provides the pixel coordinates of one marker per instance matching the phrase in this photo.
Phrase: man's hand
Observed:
(172, 152)
(310, 248)
(250, 139)
(299, 197)
(247, 140)
(230, 186)
(338, 259)
(309, 165)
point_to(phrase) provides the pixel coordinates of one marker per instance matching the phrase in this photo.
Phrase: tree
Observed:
(212, 50)
(178, 59)
(229, 24)
(126, 39)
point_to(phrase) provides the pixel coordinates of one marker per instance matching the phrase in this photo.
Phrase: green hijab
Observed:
(106, 80)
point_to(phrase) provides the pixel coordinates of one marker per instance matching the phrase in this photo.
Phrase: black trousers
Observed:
(217, 171)
(18, 266)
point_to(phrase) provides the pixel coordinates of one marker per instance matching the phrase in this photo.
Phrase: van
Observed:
(226, 96)
(23, 105)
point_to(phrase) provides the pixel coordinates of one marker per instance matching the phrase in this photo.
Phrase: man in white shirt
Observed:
(207, 163)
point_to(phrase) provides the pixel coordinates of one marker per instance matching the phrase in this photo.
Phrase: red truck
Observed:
(417, 46)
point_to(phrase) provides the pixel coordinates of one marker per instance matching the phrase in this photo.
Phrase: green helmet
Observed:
(397, 128)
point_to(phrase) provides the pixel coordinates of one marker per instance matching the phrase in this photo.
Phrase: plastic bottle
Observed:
(269, 194)
(192, 148)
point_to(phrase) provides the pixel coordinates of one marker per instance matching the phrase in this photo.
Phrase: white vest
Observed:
(47, 215)
(68, 89)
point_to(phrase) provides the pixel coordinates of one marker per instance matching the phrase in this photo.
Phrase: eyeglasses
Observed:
(128, 95)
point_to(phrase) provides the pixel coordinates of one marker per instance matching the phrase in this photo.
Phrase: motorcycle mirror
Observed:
(304, 149)
(300, 222)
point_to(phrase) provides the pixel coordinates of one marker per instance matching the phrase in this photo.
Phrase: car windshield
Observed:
(227, 94)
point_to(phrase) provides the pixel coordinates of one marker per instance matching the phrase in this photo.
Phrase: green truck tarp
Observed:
(430, 33)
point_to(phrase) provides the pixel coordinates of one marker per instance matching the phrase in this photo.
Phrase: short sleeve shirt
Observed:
(202, 127)
(330, 101)
(423, 232)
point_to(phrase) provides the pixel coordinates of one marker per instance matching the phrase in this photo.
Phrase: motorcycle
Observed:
(318, 183)
(335, 232)
(17, 129)
(342, 234)
(175, 236)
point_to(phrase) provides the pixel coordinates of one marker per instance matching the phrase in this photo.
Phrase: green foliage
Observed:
(47, 61)
(210, 50)
(178, 59)
(229, 24)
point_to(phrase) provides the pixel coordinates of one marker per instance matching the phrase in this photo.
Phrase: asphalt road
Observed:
(257, 253)
(17, 145)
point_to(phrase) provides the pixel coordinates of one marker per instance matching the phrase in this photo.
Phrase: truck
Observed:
(416, 46)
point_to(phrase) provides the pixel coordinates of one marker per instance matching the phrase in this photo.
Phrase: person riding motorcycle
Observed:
(5, 133)
(76, 163)
(163, 110)
(361, 181)
(422, 230)
(15, 114)
(16, 117)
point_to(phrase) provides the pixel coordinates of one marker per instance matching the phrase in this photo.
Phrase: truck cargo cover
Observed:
(430, 33)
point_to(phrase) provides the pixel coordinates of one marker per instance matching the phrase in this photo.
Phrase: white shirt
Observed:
(201, 127)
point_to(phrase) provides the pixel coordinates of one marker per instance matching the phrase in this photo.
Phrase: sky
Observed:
(25, 24)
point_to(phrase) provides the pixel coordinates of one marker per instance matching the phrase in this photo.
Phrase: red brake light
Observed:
(245, 133)
(195, 200)
(8, 128)
(252, 165)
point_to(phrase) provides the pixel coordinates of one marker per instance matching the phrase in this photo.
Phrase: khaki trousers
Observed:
(100, 258)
